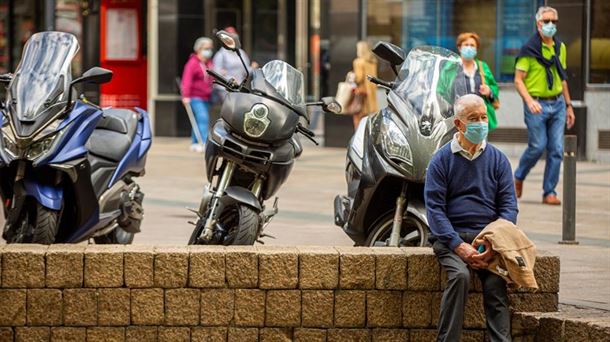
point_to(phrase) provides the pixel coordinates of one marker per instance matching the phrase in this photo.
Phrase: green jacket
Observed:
(445, 87)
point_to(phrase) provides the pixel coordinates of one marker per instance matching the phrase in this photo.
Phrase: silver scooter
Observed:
(390, 151)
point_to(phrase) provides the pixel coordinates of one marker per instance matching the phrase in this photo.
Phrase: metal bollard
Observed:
(569, 191)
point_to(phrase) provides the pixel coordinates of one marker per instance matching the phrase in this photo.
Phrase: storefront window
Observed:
(503, 25)
(68, 18)
(25, 24)
(384, 22)
(599, 62)
(4, 47)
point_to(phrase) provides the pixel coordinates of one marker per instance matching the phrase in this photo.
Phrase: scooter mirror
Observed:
(330, 105)
(390, 53)
(228, 40)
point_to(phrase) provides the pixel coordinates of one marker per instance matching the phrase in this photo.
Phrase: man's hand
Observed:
(485, 90)
(488, 253)
(571, 118)
(465, 251)
(534, 107)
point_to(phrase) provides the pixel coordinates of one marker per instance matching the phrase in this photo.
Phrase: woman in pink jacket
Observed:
(197, 87)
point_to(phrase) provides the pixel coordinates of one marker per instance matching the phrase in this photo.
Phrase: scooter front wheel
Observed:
(37, 224)
(413, 232)
(238, 224)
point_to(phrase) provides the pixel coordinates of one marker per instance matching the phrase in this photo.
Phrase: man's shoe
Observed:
(551, 200)
(518, 187)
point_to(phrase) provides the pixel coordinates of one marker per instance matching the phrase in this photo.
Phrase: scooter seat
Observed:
(119, 120)
(113, 135)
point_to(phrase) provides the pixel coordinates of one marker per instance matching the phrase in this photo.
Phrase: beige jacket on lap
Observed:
(515, 253)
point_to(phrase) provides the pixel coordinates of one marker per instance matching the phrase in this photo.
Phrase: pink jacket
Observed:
(195, 81)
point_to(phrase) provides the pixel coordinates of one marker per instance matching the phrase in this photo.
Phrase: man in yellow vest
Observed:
(540, 79)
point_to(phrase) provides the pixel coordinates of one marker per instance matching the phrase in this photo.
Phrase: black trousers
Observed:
(453, 303)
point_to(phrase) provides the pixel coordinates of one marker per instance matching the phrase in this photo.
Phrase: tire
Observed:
(117, 236)
(246, 231)
(241, 223)
(197, 231)
(382, 228)
(47, 223)
(37, 224)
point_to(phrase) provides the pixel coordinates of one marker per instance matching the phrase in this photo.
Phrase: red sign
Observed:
(121, 51)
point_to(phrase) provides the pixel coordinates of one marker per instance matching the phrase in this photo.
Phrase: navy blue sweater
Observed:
(465, 196)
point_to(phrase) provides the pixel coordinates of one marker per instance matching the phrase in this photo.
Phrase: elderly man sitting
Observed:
(469, 185)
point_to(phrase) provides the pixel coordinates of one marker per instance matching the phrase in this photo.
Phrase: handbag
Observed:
(345, 91)
(496, 101)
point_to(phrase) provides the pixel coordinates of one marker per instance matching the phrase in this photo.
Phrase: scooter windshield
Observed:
(428, 82)
(286, 80)
(43, 74)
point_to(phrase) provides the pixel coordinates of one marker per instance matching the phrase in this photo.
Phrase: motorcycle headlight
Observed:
(40, 147)
(394, 142)
(8, 141)
(256, 121)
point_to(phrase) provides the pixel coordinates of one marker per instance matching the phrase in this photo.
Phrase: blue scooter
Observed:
(67, 167)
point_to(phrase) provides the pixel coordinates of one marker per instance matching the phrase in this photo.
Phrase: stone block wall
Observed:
(199, 293)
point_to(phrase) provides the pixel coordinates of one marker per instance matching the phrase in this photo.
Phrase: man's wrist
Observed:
(568, 104)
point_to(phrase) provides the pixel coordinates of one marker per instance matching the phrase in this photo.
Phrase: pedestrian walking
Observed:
(365, 64)
(228, 64)
(478, 75)
(540, 79)
(469, 186)
(197, 88)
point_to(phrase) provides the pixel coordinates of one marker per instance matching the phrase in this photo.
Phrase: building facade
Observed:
(147, 42)
(319, 37)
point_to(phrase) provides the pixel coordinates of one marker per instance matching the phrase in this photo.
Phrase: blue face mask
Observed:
(548, 30)
(476, 132)
(468, 52)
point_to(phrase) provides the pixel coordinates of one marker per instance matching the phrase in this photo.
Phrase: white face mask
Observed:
(206, 53)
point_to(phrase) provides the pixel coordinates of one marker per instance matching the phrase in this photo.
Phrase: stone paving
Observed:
(175, 178)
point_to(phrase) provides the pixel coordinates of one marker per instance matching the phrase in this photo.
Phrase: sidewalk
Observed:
(175, 178)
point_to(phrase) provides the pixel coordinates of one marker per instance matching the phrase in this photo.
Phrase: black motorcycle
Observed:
(390, 151)
(251, 150)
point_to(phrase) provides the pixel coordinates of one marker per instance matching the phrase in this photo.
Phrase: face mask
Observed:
(548, 30)
(468, 52)
(207, 53)
(476, 132)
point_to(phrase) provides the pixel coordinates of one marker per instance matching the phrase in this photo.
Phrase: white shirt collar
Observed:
(457, 148)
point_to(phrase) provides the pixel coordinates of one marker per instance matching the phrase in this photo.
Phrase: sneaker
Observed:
(200, 148)
(551, 200)
(518, 187)
(194, 147)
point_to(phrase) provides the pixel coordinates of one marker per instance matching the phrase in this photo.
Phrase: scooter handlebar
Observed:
(220, 79)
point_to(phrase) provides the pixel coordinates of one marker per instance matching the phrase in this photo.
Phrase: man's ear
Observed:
(457, 123)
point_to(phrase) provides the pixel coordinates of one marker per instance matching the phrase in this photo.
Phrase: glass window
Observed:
(599, 62)
(4, 48)
(168, 27)
(384, 20)
(68, 18)
(503, 25)
(26, 23)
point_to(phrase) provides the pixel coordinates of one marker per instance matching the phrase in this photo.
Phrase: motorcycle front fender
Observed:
(238, 194)
(48, 196)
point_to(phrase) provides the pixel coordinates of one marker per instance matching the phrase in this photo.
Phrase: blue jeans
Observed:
(201, 111)
(545, 132)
